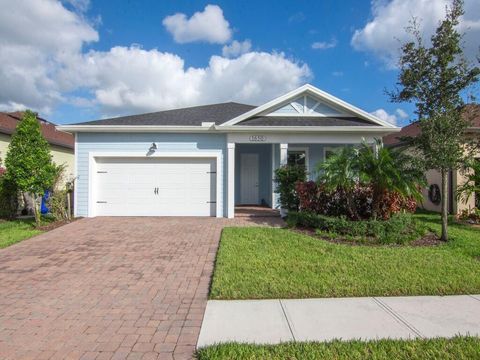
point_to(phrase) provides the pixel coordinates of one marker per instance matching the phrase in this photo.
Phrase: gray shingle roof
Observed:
(305, 121)
(192, 116)
(221, 113)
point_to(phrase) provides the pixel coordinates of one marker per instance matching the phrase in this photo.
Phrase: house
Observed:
(61, 143)
(205, 160)
(432, 193)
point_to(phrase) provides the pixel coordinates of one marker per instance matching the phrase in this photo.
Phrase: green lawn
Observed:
(456, 348)
(15, 231)
(262, 263)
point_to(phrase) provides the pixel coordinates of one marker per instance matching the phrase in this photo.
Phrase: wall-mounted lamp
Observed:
(153, 147)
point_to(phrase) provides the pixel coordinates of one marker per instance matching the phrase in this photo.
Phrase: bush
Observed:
(313, 197)
(8, 199)
(58, 206)
(286, 177)
(399, 229)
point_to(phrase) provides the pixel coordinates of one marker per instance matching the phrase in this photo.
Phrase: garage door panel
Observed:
(126, 187)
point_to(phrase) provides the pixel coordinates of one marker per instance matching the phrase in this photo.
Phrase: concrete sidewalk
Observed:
(275, 321)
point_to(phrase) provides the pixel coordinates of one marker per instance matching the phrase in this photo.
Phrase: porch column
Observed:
(230, 180)
(283, 154)
(274, 195)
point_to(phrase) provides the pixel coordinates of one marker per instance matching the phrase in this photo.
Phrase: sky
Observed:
(80, 60)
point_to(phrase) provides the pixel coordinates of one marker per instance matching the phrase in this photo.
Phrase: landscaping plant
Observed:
(29, 162)
(285, 178)
(471, 187)
(367, 182)
(58, 202)
(434, 75)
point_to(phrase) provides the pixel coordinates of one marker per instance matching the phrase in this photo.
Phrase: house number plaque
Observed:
(257, 138)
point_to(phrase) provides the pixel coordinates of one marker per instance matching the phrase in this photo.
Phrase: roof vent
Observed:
(208, 124)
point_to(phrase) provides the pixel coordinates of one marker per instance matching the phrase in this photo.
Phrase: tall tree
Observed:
(434, 77)
(29, 162)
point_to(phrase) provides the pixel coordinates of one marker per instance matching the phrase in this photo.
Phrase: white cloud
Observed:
(32, 56)
(130, 79)
(324, 45)
(236, 48)
(391, 118)
(209, 26)
(43, 69)
(384, 34)
(79, 5)
(401, 114)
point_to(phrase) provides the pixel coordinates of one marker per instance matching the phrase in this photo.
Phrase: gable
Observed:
(306, 105)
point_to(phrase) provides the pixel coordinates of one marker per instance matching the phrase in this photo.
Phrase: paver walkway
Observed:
(109, 288)
(275, 321)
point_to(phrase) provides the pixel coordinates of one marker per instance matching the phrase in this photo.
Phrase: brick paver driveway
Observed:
(108, 288)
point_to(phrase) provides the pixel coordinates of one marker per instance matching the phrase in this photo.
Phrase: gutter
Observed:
(208, 127)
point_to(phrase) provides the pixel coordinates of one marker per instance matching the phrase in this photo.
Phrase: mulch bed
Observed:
(430, 239)
(54, 224)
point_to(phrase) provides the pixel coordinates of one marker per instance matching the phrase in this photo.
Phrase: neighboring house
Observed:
(432, 193)
(205, 160)
(61, 143)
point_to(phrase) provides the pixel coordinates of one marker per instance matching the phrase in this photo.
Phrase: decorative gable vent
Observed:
(306, 106)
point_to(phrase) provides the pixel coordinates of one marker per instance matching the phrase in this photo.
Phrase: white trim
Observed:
(307, 154)
(302, 138)
(75, 174)
(309, 129)
(309, 89)
(231, 180)
(223, 129)
(180, 154)
(307, 115)
(283, 154)
(134, 128)
(274, 200)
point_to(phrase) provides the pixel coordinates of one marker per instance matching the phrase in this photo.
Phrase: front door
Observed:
(249, 179)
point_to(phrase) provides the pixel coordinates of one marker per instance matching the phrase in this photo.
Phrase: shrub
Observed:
(57, 204)
(286, 177)
(399, 229)
(8, 198)
(316, 198)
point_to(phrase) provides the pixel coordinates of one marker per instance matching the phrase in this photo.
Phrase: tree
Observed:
(29, 162)
(434, 77)
(340, 172)
(382, 169)
(389, 170)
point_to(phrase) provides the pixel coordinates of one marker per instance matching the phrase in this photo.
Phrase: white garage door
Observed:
(155, 187)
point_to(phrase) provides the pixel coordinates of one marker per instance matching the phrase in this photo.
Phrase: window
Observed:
(298, 157)
(329, 151)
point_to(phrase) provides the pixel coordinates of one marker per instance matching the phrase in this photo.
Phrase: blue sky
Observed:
(100, 58)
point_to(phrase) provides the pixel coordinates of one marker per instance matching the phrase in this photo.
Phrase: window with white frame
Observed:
(298, 156)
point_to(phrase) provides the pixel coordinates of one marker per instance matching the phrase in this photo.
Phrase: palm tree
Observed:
(340, 172)
(389, 170)
(380, 168)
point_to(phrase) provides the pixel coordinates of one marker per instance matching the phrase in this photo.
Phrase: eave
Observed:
(227, 129)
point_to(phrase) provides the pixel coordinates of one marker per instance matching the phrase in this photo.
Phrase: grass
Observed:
(12, 232)
(455, 348)
(265, 263)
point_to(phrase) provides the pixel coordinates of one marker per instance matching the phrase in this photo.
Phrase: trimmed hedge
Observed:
(399, 229)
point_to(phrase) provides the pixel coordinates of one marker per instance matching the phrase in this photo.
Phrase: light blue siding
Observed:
(264, 152)
(316, 155)
(140, 142)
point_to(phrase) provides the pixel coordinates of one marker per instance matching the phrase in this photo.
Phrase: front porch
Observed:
(251, 171)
